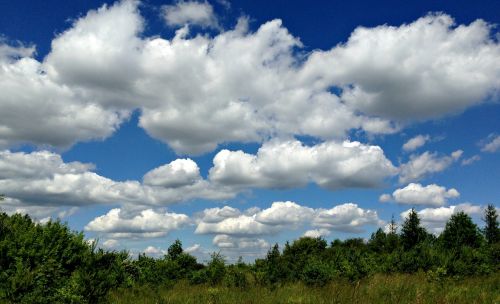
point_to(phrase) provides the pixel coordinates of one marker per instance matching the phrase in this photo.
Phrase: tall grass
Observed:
(397, 288)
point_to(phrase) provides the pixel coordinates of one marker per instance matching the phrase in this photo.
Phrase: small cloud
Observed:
(425, 164)
(384, 198)
(190, 12)
(316, 233)
(193, 249)
(416, 142)
(470, 160)
(491, 144)
(225, 3)
(416, 194)
(151, 250)
(111, 243)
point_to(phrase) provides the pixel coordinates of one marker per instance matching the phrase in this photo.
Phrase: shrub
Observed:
(316, 273)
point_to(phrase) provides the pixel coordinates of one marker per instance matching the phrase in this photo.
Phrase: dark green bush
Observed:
(316, 273)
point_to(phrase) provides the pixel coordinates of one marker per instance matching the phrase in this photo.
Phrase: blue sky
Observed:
(233, 125)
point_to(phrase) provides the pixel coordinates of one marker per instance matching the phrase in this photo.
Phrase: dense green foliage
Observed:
(491, 231)
(48, 263)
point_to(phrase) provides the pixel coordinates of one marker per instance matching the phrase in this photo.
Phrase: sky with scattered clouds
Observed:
(234, 125)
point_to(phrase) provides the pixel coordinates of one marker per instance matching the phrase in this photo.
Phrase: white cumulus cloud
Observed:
(147, 223)
(239, 85)
(423, 69)
(281, 216)
(289, 164)
(416, 194)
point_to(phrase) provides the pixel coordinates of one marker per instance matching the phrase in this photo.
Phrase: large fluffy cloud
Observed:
(347, 218)
(423, 69)
(282, 216)
(238, 85)
(416, 194)
(288, 164)
(178, 173)
(44, 179)
(148, 223)
(37, 109)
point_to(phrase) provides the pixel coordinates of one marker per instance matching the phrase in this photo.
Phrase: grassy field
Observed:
(416, 288)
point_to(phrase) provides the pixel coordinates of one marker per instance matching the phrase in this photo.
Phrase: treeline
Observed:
(48, 263)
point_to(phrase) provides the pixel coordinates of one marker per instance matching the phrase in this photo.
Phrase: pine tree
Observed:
(393, 227)
(460, 231)
(491, 230)
(411, 232)
(175, 250)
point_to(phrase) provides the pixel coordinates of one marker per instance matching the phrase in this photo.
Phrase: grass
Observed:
(397, 288)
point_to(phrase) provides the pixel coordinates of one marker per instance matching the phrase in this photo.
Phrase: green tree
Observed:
(412, 233)
(491, 230)
(460, 231)
(175, 250)
(378, 241)
(216, 268)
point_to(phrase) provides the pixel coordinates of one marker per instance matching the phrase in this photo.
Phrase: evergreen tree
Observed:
(378, 241)
(175, 250)
(491, 230)
(460, 231)
(393, 227)
(411, 232)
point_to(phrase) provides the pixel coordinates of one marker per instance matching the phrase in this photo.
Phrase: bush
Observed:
(235, 277)
(316, 273)
(216, 269)
(198, 277)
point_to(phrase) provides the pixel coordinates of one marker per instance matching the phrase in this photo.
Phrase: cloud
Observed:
(111, 243)
(178, 173)
(62, 116)
(42, 180)
(491, 144)
(153, 251)
(38, 213)
(416, 142)
(193, 249)
(347, 218)
(420, 166)
(241, 225)
(316, 233)
(147, 223)
(434, 219)
(239, 243)
(284, 213)
(190, 12)
(416, 194)
(283, 216)
(290, 164)
(470, 160)
(424, 69)
(239, 85)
